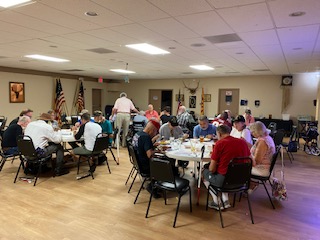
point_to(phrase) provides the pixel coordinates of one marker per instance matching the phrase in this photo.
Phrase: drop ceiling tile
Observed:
(112, 36)
(298, 34)
(232, 3)
(281, 9)
(137, 10)
(247, 18)
(206, 24)
(170, 28)
(181, 7)
(260, 38)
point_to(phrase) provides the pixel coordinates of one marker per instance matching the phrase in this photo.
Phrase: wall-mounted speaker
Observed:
(286, 80)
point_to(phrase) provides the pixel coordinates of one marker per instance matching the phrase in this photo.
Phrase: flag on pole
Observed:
(59, 101)
(202, 103)
(80, 99)
(179, 102)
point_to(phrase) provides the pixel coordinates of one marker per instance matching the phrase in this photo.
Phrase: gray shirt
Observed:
(165, 131)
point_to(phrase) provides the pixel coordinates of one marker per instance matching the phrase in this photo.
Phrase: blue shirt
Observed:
(197, 131)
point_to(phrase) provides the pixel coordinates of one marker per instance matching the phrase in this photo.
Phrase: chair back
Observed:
(26, 147)
(3, 121)
(274, 159)
(273, 128)
(134, 157)
(101, 143)
(294, 134)
(161, 170)
(278, 137)
(129, 143)
(238, 174)
(138, 126)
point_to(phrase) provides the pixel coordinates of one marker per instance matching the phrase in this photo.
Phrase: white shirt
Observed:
(91, 130)
(245, 134)
(41, 133)
(124, 105)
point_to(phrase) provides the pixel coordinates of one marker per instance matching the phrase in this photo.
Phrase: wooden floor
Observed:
(66, 208)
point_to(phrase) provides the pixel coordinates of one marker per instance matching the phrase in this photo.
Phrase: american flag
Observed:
(80, 99)
(179, 102)
(59, 101)
(202, 103)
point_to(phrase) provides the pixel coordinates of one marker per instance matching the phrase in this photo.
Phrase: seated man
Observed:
(165, 114)
(151, 113)
(89, 131)
(41, 134)
(171, 129)
(225, 149)
(9, 139)
(222, 119)
(27, 112)
(184, 118)
(143, 144)
(140, 118)
(204, 128)
(104, 123)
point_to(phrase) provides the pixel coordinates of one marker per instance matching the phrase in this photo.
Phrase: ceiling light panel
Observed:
(11, 3)
(46, 58)
(122, 71)
(201, 67)
(147, 48)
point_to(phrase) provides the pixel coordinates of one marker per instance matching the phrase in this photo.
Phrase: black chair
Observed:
(144, 175)
(28, 155)
(278, 140)
(263, 180)
(109, 148)
(273, 128)
(163, 178)
(293, 138)
(3, 121)
(100, 145)
(5, 157)
(138, 126)
(133, 169)
(237, 180)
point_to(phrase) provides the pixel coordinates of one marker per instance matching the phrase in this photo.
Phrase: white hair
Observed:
(123, 94)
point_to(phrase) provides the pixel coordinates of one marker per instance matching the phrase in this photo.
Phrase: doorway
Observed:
(96, 99)
(229, 100)
(160, 98)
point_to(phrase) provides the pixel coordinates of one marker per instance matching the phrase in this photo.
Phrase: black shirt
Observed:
(10, 135)
(142, 142)
(165, 118)
(14, 121)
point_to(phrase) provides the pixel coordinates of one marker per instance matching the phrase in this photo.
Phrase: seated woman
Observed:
(262, 151)
(239, 130)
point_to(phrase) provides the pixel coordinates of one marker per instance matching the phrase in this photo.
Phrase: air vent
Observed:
(187, 73)
(261, 70)
(73, 70)
(100, 50)
(223, 38)
(3, 57)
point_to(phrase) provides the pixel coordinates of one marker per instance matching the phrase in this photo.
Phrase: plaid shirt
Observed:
(183, 119)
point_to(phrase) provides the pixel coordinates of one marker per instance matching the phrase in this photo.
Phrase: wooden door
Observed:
(96, 100)
(229, 100)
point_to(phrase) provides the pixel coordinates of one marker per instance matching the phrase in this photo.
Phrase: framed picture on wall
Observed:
(192, 101)
(207, 97)
(16, 92)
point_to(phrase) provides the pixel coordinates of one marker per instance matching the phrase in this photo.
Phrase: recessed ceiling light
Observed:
(298, 48)
(197, 45)
(239, 53)
(46, 58)
(297, 14)
(91, 14)
(201, 67)
(147, 48)
(122, 71)
(11, 3)
(171, 48)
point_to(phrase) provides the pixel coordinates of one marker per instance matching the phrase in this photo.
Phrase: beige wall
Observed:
(267, 89)
(39, 93)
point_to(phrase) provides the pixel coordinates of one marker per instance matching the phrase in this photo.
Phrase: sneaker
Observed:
(226, 204)
(215, 206)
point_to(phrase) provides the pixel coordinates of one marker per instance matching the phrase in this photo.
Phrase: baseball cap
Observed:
(239, 118)
(83, 111)
(173, 121)
(155, 123)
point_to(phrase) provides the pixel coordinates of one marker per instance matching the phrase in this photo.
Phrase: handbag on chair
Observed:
(279, 190)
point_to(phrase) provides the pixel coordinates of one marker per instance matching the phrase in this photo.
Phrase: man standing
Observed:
(204, 128)
(41, 134)
(225, 149)
(123, 107)
(89, 130)
(9, 139)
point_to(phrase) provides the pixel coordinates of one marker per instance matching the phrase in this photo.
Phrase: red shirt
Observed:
(226, 149)
(152, 114)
